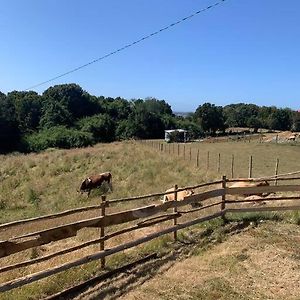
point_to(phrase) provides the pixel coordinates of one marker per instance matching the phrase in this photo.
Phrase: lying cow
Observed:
(95, 181)
(241, 184)
(180, 196)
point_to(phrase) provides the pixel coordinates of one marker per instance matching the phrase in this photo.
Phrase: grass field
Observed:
(45, 183)
(264, 156)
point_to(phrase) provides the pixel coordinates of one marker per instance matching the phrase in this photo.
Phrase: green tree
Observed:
(77, 102)
(281, 119)
(241, 115)
(118, 109)
(210, 118)
(28, 109)
(9, 129)
(54, 114)
(102, 127)
(296, 121)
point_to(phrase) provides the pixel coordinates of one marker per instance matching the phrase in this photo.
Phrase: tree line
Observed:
(66, 116)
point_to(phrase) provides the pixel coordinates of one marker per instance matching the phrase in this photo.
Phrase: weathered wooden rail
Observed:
(146, 216)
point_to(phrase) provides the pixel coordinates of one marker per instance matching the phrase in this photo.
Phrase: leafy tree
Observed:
(77, 102)
(125, 129)
(254, 122)
(194, 129)
(147, 124)
(102, 127)
(281, 119)
(159, 107)
(296, 121)
(54, 114)
(9, 129)
(210, 117)
(27, 109)
(118, 109)
(240, 115)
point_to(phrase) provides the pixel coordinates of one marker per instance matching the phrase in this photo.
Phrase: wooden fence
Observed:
(146, 216)
(215, 162)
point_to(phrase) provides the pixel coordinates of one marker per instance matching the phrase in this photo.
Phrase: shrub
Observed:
(101, 127)
(57, 137)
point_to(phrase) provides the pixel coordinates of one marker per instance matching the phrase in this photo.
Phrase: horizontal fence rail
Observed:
(39, 275)
(146, 216)
(99, 206)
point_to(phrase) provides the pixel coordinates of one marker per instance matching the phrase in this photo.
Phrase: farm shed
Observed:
(176, 135)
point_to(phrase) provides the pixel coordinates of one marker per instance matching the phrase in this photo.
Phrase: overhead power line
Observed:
(128, 45)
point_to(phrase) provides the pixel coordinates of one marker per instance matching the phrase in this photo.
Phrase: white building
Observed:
(176, 135)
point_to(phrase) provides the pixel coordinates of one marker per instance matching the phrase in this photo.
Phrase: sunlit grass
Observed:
(45, 183)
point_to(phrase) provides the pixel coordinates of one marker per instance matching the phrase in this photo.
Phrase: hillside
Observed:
(45, 183)
(253, 262)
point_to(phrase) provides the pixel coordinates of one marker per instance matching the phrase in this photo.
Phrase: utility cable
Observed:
(128, 45)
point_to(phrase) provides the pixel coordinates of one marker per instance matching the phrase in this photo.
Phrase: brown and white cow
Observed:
(95, 181)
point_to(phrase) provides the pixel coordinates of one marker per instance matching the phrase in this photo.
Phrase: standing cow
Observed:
(95, 181)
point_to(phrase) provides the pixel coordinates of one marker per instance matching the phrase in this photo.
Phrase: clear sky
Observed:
(240, 51)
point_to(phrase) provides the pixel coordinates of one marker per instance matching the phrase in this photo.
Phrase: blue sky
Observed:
(240, 51)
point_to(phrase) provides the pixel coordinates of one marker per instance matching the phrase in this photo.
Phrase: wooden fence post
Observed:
(232, 165)
(190, 153)
(223, 204)
(207, 164)
(197, 159)
(102, 233)
(276, 169)
(219, 163)
(178, 149)
(250, 167)
(183, 151)
(175, 210)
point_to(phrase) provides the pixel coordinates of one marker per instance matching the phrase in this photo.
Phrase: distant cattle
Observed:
(180, 195)
(95, 181)
(241, 184)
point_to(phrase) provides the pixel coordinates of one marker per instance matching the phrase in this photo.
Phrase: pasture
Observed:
(44, 183)
(215, 156)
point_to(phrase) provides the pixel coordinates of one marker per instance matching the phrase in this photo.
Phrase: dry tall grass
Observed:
(37, 184)
(45, 183)
(264, 156)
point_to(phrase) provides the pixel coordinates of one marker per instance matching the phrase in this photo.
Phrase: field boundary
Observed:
(146, 216)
